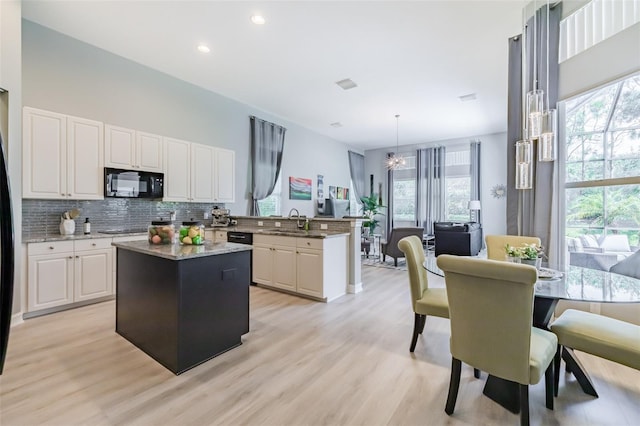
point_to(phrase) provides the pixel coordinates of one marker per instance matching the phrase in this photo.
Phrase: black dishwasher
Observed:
(242, 238)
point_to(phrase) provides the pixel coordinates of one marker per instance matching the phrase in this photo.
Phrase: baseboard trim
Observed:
(354, 288)
(16, 319)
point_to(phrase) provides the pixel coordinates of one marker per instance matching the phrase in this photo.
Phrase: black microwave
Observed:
(122, 183)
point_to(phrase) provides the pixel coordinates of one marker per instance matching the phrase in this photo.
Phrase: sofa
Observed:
(462, 239)
(599, 252)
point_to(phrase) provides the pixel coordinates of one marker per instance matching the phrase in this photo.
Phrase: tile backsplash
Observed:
(43, 216)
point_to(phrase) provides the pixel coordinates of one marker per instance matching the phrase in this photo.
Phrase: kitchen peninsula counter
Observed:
(182, 305)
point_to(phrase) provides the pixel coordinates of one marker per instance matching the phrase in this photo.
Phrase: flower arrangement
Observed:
(527, 251)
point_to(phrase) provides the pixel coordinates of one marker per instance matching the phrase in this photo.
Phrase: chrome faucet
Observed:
(297, 217)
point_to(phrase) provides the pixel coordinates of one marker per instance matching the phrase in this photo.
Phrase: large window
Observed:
(602, 185)
(457, 183)
(272, 205)
(404, 192)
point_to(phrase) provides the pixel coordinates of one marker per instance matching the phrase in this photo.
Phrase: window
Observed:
(602, 182)
(457, 183)
(272, 205)
(404, 192)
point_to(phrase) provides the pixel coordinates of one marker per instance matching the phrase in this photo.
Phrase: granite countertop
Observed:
(182, 252)
(40, 238)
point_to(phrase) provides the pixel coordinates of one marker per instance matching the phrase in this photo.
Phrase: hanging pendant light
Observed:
(547, 141)
(549, 129)
(395, 161)
(524, 166)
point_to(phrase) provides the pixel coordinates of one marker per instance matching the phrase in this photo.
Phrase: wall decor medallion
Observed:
(499, 191)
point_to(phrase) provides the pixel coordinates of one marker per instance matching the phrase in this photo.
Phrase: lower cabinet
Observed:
(315, 267)
(64, 272)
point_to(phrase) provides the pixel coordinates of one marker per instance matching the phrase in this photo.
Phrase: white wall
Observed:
(68, 76)
(493, 170)
(11, 80)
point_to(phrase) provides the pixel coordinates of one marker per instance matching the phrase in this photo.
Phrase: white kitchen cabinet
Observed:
(62, 156)
(65, 272)
(315, 267)
(224, 172)
(93, 269)
(202, 178)
(130, 149)
(177, 173)
(50, 276)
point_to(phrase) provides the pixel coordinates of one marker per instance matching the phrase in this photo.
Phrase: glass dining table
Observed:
(575, 284)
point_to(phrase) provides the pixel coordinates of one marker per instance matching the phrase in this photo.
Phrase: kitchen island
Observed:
(182, 305)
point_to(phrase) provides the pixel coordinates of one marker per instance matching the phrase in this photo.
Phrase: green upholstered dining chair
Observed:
(496, 243)
(425, 300)
(491, 313)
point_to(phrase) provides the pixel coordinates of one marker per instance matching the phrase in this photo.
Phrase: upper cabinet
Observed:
(198, 173)
(130, 149)
(62, 156)
(177, 175)
(225, 172)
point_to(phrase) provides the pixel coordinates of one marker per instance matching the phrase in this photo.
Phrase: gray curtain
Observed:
(529, 212)
(430, 188)
(475, 175)
(356, 167)
(267, 144)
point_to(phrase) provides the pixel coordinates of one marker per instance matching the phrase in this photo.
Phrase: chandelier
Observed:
(539, 124)
(395, 160)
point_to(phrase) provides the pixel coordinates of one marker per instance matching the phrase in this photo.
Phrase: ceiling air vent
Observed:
(346, 84)
(336, 124)
(467, 98)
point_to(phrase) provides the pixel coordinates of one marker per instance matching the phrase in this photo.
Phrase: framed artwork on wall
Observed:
(299, 188)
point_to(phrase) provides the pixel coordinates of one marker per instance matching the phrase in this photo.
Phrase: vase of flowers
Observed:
(530, 254)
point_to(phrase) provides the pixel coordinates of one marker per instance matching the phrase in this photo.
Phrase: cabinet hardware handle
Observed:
(50, 247)
(77, 257)
(93, 244)
(70, 257)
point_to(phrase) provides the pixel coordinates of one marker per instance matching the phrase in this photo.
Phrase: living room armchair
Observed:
(462, 239)
(390, 247)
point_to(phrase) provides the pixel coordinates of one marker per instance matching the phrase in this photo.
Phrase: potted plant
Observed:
(529, 253)
(370, 208)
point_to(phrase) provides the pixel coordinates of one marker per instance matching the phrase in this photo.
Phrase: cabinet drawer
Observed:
(274, 240)
(93, 244)
(50, 248)
(313, 243)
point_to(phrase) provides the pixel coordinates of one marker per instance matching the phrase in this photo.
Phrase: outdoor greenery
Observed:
(603, 143)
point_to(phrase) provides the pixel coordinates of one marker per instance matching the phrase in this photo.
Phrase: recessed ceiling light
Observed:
(346, 84)
(203, 48)
(469, 97)
(258, 19)
(336, 124)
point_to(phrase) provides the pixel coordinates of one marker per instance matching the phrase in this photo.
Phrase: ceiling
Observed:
(414, 59)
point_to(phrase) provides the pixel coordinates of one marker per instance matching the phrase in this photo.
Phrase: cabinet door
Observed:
(119, 147)
(85, 159)
(149, 151)
(225, 170)
(93, 274)
(262, 264)
(284, 267)
(309, 272)
(50, 281)
(176, 170)
(202, 161)
(44, 154)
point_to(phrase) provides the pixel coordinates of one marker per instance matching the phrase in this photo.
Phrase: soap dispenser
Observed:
(87, 226)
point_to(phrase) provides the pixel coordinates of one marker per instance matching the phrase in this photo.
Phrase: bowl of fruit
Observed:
(191, 233)
(162, 232)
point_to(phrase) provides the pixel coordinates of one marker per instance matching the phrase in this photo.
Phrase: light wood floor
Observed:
(343, 363)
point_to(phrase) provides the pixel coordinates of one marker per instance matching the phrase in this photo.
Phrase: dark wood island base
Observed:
(185, 310)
